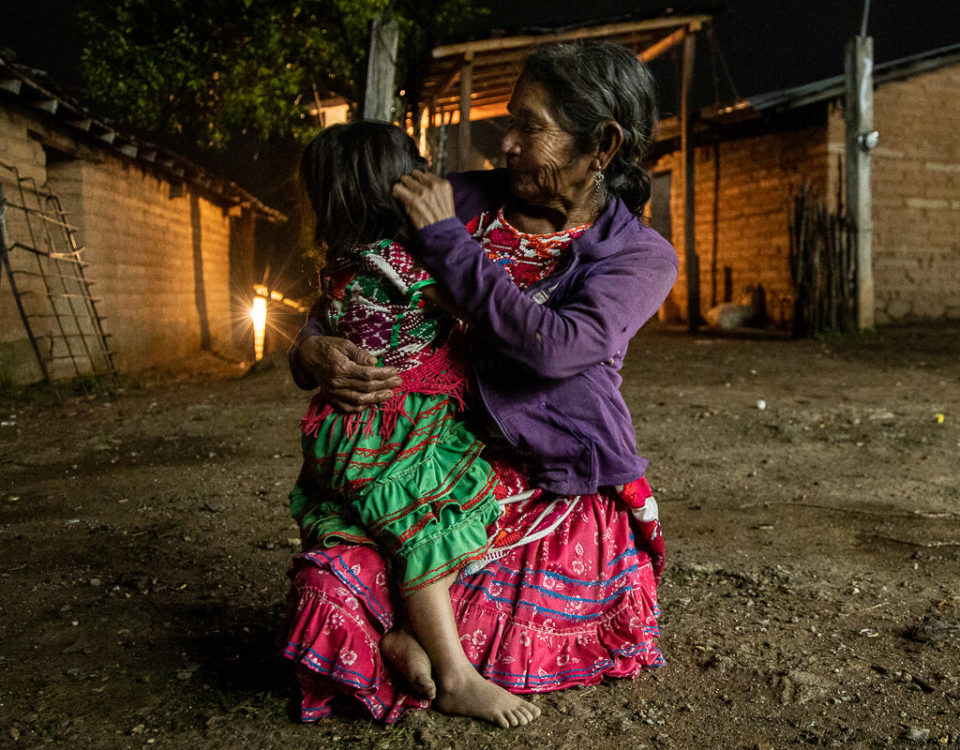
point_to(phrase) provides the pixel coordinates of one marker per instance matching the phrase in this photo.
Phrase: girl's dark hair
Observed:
(590, 84)
(349, 171)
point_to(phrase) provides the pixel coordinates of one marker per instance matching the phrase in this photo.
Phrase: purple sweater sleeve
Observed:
(312, 327)
(616, 295)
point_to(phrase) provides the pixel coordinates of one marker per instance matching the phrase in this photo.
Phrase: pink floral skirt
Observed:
(566, 610)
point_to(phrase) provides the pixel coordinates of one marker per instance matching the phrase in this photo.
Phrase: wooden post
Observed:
(858, 117)
(686, 148)
(464, 153)
(381, 69)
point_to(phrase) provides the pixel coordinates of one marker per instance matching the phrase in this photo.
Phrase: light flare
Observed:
(258, 313)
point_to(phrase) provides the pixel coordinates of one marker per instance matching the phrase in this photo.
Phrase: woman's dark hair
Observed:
(590, 84)
(349, 171)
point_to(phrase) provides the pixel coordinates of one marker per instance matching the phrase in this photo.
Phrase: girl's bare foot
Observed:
(404, 651)
(468, 694)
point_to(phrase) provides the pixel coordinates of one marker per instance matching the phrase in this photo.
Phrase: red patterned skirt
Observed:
(568, 609)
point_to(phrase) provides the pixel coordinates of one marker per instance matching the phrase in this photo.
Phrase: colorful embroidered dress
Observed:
(408, 474)
(566, 599)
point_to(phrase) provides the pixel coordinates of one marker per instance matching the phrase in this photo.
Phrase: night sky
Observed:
(768, 44)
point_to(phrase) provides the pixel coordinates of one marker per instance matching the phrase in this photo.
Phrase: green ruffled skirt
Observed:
(423, 494)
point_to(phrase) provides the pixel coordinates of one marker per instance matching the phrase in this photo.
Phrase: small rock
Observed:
(916, 734)
(426, 737)
(932, 630)
(800, 687)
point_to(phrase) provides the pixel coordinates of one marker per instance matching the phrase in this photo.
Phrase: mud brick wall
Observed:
(743, 185)
(17, 360)
(161, 260)
(158, 253)
(915, 179)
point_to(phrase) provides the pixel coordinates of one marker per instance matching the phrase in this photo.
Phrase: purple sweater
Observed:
(547, 358)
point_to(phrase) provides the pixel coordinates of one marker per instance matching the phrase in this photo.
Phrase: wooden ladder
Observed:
(49, 284)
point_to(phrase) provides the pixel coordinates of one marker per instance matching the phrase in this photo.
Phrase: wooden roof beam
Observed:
(451, 116)
(610, 29)
(668, 42)
(482, 78)
(448, 80)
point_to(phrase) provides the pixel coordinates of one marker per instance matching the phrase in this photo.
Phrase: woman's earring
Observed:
(598, 189)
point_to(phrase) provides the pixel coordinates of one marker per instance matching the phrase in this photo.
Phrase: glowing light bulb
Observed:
(259, 315)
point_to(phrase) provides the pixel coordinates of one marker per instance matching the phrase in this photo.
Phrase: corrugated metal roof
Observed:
(830, 88)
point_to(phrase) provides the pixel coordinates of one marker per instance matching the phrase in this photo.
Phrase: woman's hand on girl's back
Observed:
(346, 374)
(425, 197)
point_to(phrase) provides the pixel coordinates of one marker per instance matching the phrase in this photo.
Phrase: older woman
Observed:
(556, 274)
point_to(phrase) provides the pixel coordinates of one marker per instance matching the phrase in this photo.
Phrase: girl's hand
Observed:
(425, 197)
(346, 374)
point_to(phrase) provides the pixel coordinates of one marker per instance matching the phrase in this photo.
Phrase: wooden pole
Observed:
(858, 117)
(686, 148)
(381, 70)
(692, 22)
(464, 153)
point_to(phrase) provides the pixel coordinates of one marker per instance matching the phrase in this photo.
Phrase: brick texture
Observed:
(161, 264)
(915, 181)
(743, 186)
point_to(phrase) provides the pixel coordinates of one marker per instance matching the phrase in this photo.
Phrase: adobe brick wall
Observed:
(156, 260)
(915, 179)
(145, 251)
(17, 360)
(742, 190)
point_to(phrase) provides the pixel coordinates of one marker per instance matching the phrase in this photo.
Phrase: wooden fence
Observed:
(823, 266)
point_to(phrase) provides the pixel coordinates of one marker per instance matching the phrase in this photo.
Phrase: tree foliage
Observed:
(215, 69)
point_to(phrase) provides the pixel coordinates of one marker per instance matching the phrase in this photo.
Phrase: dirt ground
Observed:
(809, 492)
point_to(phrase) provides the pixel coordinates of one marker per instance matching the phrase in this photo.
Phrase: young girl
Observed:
(407, 474)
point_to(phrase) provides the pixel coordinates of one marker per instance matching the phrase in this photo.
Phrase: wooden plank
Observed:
(485, 45)
(858, 118)
(381, 71)
(668, 42)
(464, 144)
(452, 116)
(689, 185)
